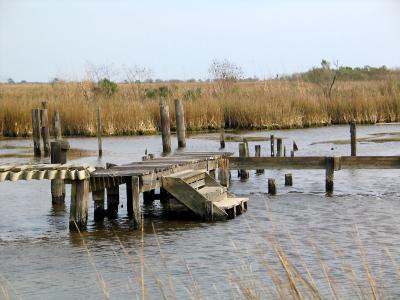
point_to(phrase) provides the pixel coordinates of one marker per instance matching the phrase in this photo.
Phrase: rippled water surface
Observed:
(332, 239)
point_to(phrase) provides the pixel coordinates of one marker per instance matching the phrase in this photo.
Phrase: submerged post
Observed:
(272, 139)
(353, 138)
(180, 123)
(99, 131)
(133, 200)
(257, 149)
(44, 121)
(222, 137)
(271, 186)
(36, 135)
(279, 147)
(243, 152)
(79, 204)
(56, 126)
(329, 175)
(288, 179)
(165, 127)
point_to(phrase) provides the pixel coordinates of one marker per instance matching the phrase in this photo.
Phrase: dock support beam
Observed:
(180, 123)
(353, 139)
(133, 200)
(58, 156)
(224, 173)
(98, 202)
(79, 205)
(165, 127)
(257, 149)
(57, 126)
(112, 198)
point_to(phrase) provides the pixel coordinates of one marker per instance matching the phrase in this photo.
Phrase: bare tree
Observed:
(135, 77)
(325, 76)
(225, 72)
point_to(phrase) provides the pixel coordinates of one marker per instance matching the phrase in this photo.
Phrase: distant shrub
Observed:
(162, 91)
(192, 94)
(105, 87)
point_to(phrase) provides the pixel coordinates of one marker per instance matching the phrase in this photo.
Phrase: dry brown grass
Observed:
(247, 105)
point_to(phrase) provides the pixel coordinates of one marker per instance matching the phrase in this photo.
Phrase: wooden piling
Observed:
(295, 148)
(224, 172)
(44, 119)
(353, 139)
(165, 127)
(98, 203)
(292, 153)
(57, 185)
(329, 175)
(99, 132)
(112, 198)
(257, 149)
(79, 204)
(243, 152)
(272, 139)
(222, 137)
(271, 186)
(36, 132)
(288, 179)
(133, 200)
(279, 147)
(180, 123)
(57, 126)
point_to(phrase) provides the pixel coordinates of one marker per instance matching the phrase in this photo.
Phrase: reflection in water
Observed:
(40, 258)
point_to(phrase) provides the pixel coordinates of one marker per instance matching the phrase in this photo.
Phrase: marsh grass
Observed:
(243, 105)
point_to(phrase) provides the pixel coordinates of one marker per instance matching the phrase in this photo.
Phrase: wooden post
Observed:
(58, 156)
(222, 137)
(295, 148)
(224, 173)
(353, 139)
(329, 175)
(244, 174)
(165, 127)
(271, 186)
(99, 132)
(288, 179)
(112, 198)
(257, 149)
(284, 151)
(292, 153)
(133, 200)
(44, 119)
(279, 147)
(180, 123)
(79, 204)
(57, 126)
(98, 202)
(36, 134)
(272, 145)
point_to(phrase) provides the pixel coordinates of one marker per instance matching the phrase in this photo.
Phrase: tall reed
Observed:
(244, 105)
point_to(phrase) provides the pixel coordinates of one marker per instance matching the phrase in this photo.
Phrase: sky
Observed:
(178, 39)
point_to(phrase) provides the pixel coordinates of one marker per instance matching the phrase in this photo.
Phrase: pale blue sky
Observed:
(42, 39)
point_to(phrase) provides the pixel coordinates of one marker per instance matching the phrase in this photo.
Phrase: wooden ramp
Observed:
(201, 194)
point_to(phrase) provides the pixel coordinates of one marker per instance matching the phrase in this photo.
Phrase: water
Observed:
(328, 236)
